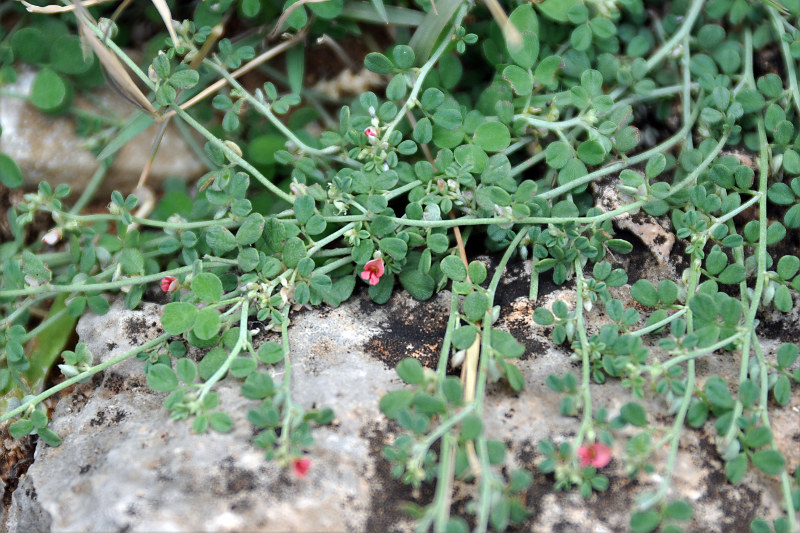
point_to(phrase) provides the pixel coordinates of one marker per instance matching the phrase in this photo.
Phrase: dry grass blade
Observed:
(510, 32)
(116, 74)
(166, 16)
(52, 10)
(244, 69)
(286, 14)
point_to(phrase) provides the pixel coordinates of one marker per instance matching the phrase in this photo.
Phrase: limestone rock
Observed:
(124, 465)
(47, 148)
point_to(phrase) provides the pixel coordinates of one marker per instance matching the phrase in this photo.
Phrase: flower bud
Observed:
(170, 284)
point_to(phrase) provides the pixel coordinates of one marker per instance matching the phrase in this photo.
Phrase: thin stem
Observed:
(82, 376)
(423, 73)
(265, 110)
(233, 156)
(83, 287)
(580, 327)
(241, 343)
(664, 50)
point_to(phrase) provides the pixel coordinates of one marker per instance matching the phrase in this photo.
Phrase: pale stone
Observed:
(124, 465)
(46, 147)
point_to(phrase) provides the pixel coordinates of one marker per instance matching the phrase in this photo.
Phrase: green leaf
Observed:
(524, 51)
(420, 286)
(520, 79)
(49, 437)
(295, 68)
(634, 414)
(186, 369)
(270, 352)
(475, 306)
(207, 287)
(251, 229)
(21, 428)
(788, 265)
(643, 292)
(514, 377)
(10, 174)
(257, 385)
(736, 468)
(464, 336)
(178, 317)
(732, 274)
(679, 510)
(50, 92)
(378, 63)
(557, 154)
(787, 354)
(644, 522)
(241, 367)
(452, 389)
(506, 345)
(393, 402)
(771, 462)
(782, 390)
(492, 136)
(547, 69)
(161, 378)
(220, 422)
(477, 272)
(410, 371)
(453, 267)
(211, 362)
(471, 427)
(783, 299)
(423, 131)
(591, 152)
(429, 404)
(293, 251)
(543, 317)
(396, 248)
(403, 56)
(220, 240)
(328, 10)
(557, 10)
(207, 323)
(716, 390)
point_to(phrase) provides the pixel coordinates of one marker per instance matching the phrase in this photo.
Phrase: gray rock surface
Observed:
(125, 466)
(47, 147)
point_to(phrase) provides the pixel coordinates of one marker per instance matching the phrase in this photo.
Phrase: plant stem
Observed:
(83, 375)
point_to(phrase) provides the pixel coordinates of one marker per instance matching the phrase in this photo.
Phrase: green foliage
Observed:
(508, 133)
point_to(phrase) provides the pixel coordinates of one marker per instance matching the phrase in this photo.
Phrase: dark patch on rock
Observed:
(415, 329)
(84, 469)
(237, 479)
(136, 329)
(117, 383)
(389, 494)
(739, 504)
(104, 418)
(16, 459)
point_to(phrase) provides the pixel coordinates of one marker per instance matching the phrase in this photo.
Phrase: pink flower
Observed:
(597, 455)
(371, 131)
(169, 284)
(373, 271)
(300, 467)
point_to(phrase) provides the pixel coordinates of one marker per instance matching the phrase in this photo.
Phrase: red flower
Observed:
(597, 455)
(301, 466)
(373, 271)
(371, 131)
(169, 284)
